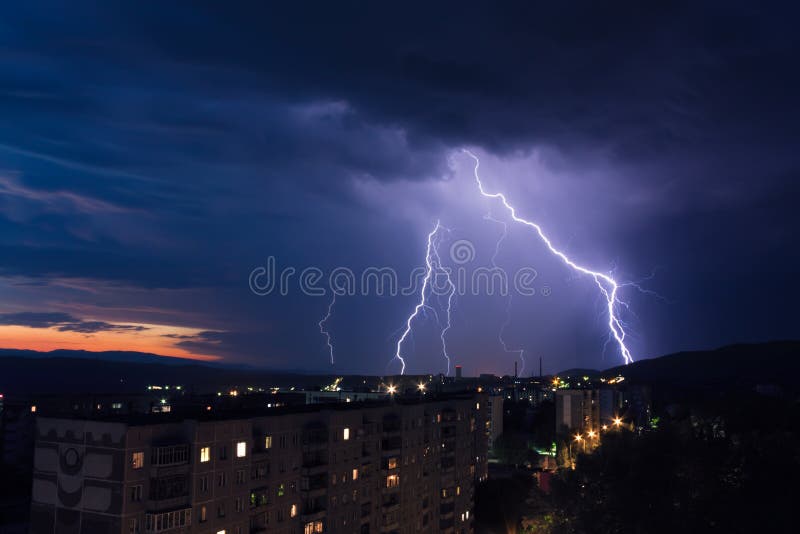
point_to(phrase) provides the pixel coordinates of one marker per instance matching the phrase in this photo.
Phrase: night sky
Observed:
(152, 154)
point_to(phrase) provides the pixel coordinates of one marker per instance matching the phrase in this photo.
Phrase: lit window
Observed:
(220, 532)
(241, 449)
(281, 490)
(33, 409)
(392, 463)
(268, 442)
(317, 527)
(137, 460)
(346, 434)
(458, 490)
(202, 514)
(392, 481)
(355, 474)
(293, 510)
(477, 405)
(205, 454)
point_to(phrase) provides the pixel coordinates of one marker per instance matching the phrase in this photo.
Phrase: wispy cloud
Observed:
(64, 322)
(58, 201)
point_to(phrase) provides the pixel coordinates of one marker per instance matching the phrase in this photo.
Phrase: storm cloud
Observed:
(161, 152)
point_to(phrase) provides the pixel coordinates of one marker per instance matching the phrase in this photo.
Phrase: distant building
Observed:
(494, 418)
(392, 467)
(637, 403)
(584, 410)
(577, 410)
(321, 397)
(458, 371)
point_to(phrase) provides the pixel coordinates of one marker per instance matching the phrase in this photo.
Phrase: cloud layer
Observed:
(152, 155)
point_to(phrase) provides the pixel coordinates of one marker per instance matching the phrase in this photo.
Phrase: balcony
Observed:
(170, 455)
(169, 491)
(314, 462)
(314, 486)
(167, 521)
(391, 444)
(313, 514)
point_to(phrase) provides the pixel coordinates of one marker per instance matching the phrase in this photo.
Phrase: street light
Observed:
(392, 389)
(604, 427)
(580, 439)
(421, 386)
(592, 433)
(617, 422)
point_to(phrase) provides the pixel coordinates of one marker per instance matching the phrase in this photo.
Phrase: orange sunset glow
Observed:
(152, 340)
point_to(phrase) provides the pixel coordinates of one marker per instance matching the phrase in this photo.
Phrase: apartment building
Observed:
(398, 467)
(582, 410)
(494, 418)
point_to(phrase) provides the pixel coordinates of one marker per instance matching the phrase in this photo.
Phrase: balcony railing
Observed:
(170, 455)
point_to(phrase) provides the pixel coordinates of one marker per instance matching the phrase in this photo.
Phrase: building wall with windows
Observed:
(577, 410)
(387, 468)
(494, 418)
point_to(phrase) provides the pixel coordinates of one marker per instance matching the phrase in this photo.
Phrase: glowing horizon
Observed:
(154, 340)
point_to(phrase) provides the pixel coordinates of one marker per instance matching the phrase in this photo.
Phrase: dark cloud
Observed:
(36, 320)
(174, 147)
(64, 322)
(90, 327)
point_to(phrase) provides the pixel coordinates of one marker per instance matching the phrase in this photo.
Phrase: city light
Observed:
(578, 437)
(392, 389)
(617, 421)
(592, 433)
(421, 386)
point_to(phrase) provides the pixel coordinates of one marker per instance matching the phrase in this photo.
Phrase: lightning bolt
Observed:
(519, 352)
(451, 291)
(322, 328)
(607, 285)
(433, 264)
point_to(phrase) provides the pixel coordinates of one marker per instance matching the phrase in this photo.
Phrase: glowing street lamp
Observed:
(579, 439)
(392, 389)
(592, 434)
(617, 422)
(421, 386)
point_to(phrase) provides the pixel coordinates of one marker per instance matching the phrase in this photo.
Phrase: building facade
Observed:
(399, 467)
(494, 418)
(583, 410)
